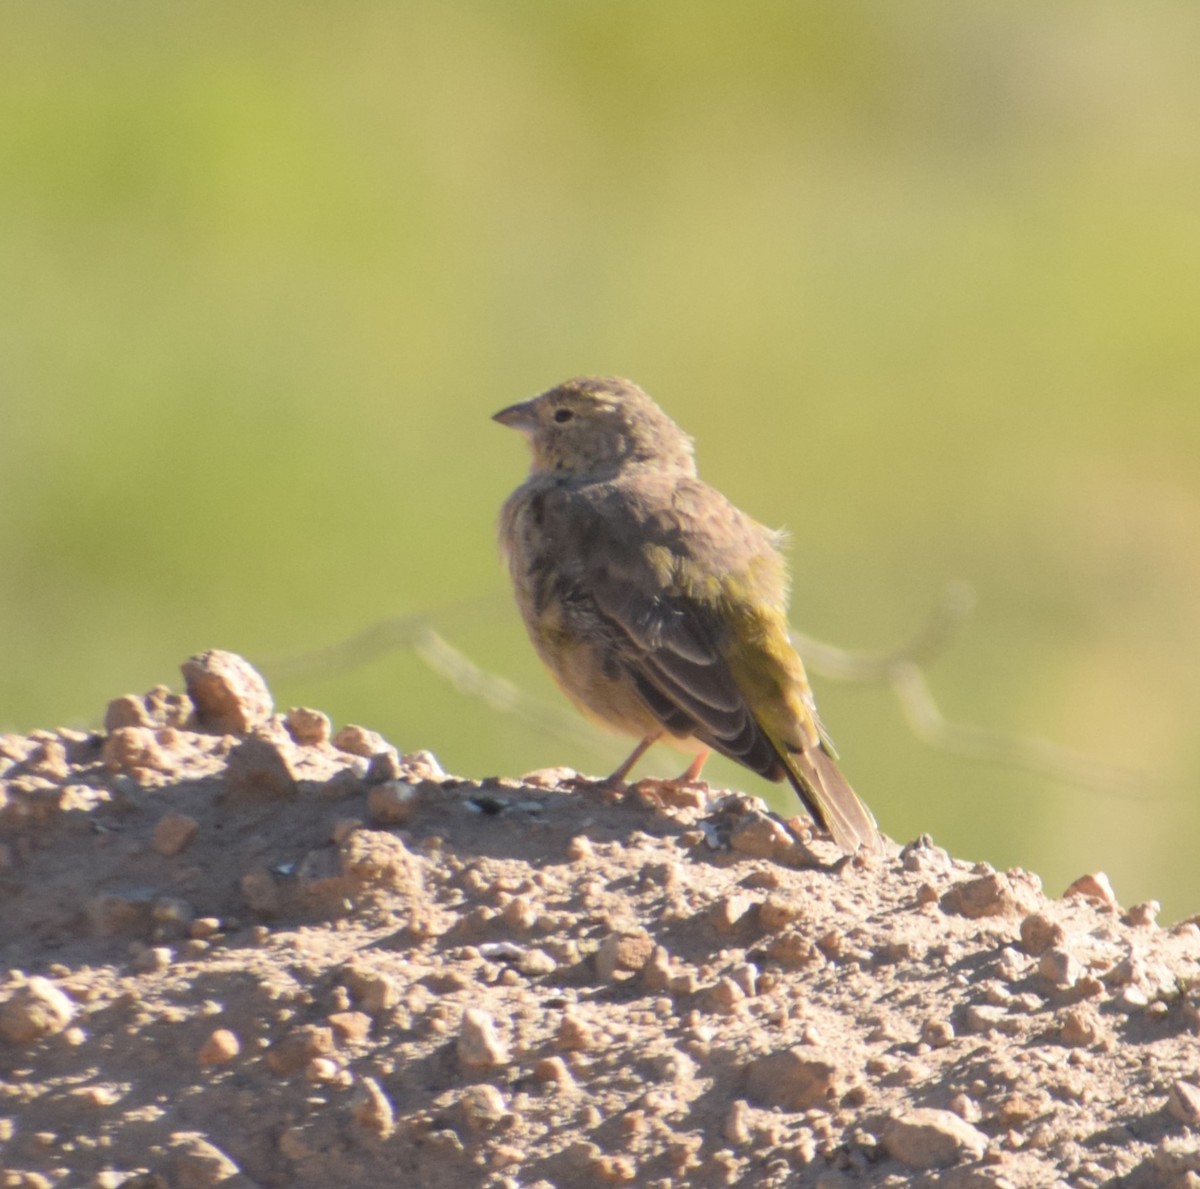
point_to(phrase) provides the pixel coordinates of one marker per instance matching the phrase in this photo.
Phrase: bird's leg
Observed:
(618, 777)
(693, 770)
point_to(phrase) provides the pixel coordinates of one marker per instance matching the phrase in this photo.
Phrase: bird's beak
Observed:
(520, 417)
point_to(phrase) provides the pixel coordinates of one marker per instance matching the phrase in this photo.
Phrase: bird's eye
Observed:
(561, 415)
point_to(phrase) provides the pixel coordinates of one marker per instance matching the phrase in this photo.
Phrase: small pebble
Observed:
(937, 1034)
(1183, 1102)
(229, 695)
(307, 727)
(322, 1069)
(737, 1123)
(392, 803)
(359, 741)
(219, 1048)
(928, 1138)
(152, 958)
(483, 1107)
(36, 1009)
(372, 1109)
(1095, 887)
(1058, 966)
(580, 848)
(1081, 1027)
(796, 1079)
(1039, 933)
(623, 954)
(195, 1162)
(1142, 916)
(479, 1044)
(553, 1070)
(575, 1034)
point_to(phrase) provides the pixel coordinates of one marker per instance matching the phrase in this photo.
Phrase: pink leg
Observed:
(618, 777)
(694, 768)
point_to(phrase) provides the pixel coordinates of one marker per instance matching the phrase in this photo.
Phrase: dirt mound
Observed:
(242, 950)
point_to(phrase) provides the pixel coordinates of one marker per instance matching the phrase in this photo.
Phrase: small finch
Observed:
(657, 606)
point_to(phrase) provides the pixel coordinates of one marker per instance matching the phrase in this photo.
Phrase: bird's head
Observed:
(598, 425)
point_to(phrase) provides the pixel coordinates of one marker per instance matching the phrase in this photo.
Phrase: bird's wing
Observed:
(670, 651)
(624, 559)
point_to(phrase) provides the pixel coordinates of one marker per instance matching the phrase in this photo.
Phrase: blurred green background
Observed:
(922, 280)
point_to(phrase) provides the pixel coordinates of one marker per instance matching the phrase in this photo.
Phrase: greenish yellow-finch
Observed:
(659, 607)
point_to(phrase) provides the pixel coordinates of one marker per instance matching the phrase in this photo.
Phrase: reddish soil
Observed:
(242, 950)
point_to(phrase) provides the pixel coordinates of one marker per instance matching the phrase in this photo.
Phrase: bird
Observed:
(660, 608)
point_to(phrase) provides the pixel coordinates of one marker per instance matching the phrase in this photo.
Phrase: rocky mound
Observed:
(243, 950)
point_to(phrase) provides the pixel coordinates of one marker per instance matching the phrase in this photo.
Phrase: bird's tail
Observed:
(827, 795)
